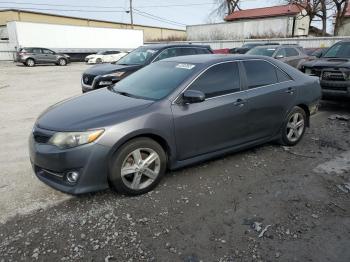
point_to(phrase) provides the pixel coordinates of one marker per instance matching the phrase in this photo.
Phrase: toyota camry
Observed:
(170, 114)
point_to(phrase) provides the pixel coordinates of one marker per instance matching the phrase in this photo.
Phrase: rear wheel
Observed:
(30, 62)
(62, 62)
(138, 166)
(294, 128)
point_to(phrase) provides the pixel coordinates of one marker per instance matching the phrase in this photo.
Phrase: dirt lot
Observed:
(265, 204)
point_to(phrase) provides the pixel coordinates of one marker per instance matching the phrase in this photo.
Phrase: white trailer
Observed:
(78, 40)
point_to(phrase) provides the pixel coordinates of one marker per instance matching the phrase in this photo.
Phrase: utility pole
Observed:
(131, 16)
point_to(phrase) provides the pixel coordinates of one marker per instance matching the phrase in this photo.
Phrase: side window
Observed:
(47, 51)
(167, 53)
(202, 51)
(282, 76)
(281, 53)
(291, 52)
(218, 80)
(259, 73)
(187, 51)
(36, 50)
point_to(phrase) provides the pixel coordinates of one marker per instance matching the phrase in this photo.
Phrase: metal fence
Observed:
(306, 42)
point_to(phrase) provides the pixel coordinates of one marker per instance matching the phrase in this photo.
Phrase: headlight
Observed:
(73, 139)
(117, 74)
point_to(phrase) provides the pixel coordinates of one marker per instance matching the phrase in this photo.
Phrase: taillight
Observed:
(22, 53)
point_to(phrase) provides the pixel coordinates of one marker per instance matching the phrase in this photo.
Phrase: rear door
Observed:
(270, 94)
(38, 55)
(219, 121)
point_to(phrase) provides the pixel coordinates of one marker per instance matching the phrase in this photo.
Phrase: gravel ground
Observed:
(269, 203)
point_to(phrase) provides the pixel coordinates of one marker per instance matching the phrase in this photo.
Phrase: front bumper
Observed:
(52, 164)
(335, 88)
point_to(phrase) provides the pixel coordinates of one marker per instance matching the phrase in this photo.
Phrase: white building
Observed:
(277, 21)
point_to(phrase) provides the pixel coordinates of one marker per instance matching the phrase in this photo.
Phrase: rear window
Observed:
(202, 51)
(262, 51)
(259, 73)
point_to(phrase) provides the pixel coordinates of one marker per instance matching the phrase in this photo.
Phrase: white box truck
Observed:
(76, 41)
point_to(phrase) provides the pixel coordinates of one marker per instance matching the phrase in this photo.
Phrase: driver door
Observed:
(216, 123)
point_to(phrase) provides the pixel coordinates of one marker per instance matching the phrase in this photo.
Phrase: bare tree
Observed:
(341, 7)
(226, 7)
(315, 9)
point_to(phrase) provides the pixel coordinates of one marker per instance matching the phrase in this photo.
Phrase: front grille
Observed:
(333, 76)
(88, 79)
(40, 137)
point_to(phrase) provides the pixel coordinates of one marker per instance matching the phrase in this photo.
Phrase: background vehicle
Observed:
(30, 56)
(76, 41)
(246, 47)
(333, 69)
(221, 51)
(289, 54)
(104, 75)
(104, 57)
(168, 115)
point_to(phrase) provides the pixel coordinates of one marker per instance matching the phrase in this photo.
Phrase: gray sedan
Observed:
(170, 114)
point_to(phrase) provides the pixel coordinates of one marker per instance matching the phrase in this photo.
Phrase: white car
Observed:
(104, 57)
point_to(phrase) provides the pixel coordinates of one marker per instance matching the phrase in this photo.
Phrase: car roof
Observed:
(162, 46)
(209, 59)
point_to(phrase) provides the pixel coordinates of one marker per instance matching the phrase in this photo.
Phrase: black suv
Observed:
(107, 74)
(333, 69)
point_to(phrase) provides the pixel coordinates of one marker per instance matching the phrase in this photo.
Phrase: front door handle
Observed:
(240, 102)
(290, 90)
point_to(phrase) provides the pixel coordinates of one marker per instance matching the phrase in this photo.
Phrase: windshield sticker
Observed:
(151, 51)
(185, 66)
(271, 49)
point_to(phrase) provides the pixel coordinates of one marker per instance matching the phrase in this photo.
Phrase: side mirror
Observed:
(279, 56)
(193, 96)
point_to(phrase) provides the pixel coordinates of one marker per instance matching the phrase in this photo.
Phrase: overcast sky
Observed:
(114, 10)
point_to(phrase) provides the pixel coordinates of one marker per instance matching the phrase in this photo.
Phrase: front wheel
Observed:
(294, 128)
(138, 166)
(62, 62)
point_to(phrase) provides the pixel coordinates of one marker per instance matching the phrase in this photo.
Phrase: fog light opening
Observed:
(72, 176)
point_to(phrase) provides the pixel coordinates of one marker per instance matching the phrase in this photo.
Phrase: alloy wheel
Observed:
(140, 168)
(295, 127)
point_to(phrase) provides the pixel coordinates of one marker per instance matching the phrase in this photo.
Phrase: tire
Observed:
(62, 62)
(294, 127)
(139, 177)
(30, 62)
(98, 61)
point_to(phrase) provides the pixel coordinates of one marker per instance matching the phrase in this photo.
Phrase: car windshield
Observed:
(155, 81)
(341, 50)
(101, 53)
(262, 51)
(139, 56)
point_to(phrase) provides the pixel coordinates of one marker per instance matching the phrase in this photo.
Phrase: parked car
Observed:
(333, 69)
(290, 54)
(170, 114)
(104, 57)
(30, 56)
(104, 75)
(221, 51)
(248, 46)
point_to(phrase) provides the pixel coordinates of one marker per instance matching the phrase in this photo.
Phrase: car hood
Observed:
(95, 109)
(110, 68)
(328, 63)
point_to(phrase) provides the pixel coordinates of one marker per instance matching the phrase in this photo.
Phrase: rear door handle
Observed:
(240, 102)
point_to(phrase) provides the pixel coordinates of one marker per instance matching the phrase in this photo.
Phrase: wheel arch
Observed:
(307, 112)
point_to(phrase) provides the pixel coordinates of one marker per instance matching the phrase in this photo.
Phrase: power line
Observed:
(69, 10)
(151, 16)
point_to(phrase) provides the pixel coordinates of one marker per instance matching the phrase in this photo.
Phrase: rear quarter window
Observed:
(259, 73)
(202, 51)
